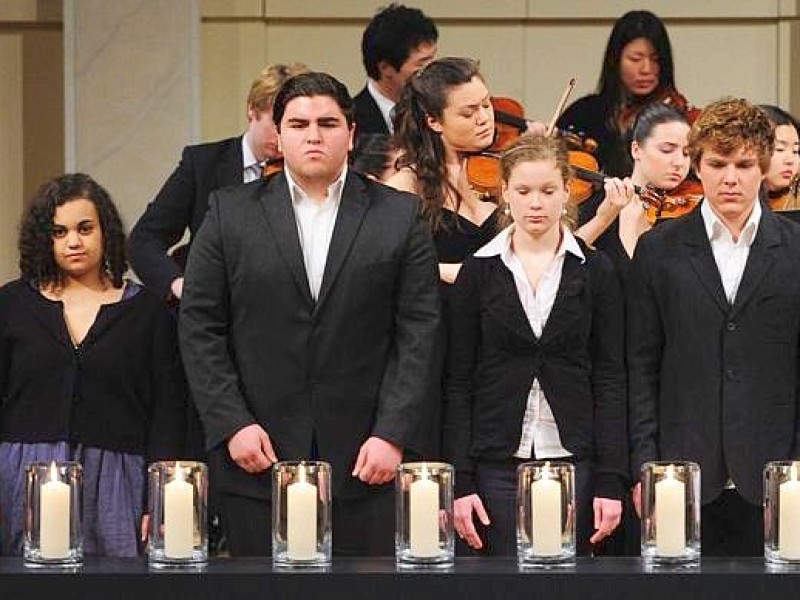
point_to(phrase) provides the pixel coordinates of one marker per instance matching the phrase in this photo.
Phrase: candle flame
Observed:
(301, 473)
(179, 475)
(424, 473)
(793, 471)
(671, 471)
(546, 470)
(53, 471)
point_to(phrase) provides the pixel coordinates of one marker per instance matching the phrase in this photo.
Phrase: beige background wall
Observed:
(117, 88)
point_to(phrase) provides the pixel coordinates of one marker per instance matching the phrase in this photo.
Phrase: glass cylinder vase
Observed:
(424, 515)
(53, 530)
(671, 513)
(782, 513)
(178, 492)
(545, 514)
(301, 514)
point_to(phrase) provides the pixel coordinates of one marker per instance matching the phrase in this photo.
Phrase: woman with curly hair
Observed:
(89, 368)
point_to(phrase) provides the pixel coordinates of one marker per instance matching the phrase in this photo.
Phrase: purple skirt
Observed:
(113, 495)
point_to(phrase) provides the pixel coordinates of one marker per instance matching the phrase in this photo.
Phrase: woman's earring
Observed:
(563, 209)
(507, 209)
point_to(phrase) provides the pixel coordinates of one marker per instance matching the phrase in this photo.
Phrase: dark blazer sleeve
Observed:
(413, 362)
(645, 343)
(168, 417)
(162, 226)
(608, 379)
(462, 351)
(203, 334)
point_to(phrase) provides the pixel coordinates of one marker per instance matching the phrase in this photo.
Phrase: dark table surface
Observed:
(617, 578)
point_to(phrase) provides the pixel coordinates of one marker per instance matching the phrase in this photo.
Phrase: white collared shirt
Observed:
(315, 222)
(730, 256)
(384, 104)
(252, 167)
(539, 428)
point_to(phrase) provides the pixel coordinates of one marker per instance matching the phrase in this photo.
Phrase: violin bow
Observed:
(560, 107)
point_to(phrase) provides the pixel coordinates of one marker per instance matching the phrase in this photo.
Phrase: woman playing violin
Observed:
(443, 115)
(658, 151)
(781, 183)
(637, 69)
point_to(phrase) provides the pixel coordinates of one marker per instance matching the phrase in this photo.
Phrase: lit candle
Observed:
(670, 515)
(54, 515)
(789, 519)
(423, 508)
(178, 516)
(546, 514)
(301, 518)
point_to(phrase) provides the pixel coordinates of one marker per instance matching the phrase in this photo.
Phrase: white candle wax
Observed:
(670, 511)
(423, 517)
(178, 516)
(789, 517)
(546, 515)
(301, 518)
(54, 516)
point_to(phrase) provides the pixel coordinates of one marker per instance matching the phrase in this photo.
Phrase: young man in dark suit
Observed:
(183, 200)
(309, 327)
(397, 42)
(714, 330)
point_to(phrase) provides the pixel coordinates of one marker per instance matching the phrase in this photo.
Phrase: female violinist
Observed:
(781, 182)
(658, 151)
(444, 114)
(637, 70)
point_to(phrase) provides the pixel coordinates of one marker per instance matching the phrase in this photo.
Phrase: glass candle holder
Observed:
(671, 513)
(545, 514)
(301, 514)
(53, 527)
(178, 492)
(782, 512)
(424, 515)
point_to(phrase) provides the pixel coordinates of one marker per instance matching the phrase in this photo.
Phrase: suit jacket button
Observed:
(730, 374)
(731, 326)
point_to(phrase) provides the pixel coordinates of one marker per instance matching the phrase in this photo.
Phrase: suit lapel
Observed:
(564, 309)
(231, 170)
(352, 208)
(508, 307)
(759, 260)
(701, 259)
(277, 203)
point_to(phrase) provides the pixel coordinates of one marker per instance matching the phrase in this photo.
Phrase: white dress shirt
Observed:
(252, 167)
(315, 221)
(539, 429)
(730, 256)
(384, 104)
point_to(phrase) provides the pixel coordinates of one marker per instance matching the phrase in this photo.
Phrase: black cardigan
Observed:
(494, 357)
(121, 389)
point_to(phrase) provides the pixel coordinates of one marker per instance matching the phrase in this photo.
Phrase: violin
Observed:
(271, 166)
(669, 95)
(677, 202)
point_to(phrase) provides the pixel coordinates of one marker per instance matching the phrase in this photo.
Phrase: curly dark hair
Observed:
(425, 94)
(36, 259)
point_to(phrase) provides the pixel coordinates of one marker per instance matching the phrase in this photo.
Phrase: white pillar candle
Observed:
(178, 516)
(54, 517)
(789, 517)
(670, 509)
(546, 515)
(423, 507)
(301, 518)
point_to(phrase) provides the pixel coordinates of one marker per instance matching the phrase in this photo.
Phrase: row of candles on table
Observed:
(301, 505)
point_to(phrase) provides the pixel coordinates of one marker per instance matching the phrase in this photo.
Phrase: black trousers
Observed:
(731, 526)
(362, 526)
(497, 487)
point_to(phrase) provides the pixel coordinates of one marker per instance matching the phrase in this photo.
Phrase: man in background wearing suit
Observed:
(309, 327)
(714, 330)
(183, 200)
(397, 42)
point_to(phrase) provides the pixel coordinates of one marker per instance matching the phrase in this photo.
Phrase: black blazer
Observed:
(367, 115)
(710, 382)
(182, 202)
(258, 349)
(494, 356)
